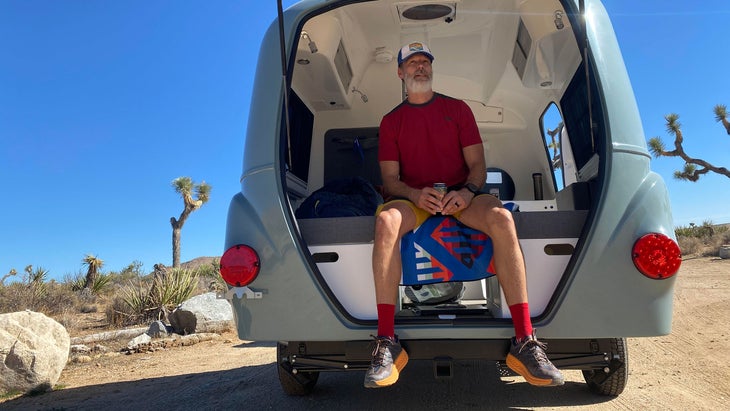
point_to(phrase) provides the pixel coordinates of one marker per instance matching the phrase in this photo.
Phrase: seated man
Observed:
(431, 138)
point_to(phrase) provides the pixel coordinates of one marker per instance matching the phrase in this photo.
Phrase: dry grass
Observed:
(704, 240)
(84, 312)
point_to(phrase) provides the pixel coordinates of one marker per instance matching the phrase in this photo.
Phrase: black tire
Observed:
(615, 384)
(301, 383)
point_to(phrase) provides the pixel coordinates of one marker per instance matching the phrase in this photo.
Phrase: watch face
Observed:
(471, 187)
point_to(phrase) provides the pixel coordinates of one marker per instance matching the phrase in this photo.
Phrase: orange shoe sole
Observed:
(400, 363)
(516, 365)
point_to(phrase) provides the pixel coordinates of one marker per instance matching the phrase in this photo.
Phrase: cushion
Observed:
(443, 249)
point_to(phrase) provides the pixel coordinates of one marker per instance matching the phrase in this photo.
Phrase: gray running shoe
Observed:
(389, 358)
(528, 358)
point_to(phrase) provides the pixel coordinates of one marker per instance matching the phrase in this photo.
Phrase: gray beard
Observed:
(418, 86)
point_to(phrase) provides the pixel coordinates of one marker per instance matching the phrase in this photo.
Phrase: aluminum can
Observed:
(441, 188)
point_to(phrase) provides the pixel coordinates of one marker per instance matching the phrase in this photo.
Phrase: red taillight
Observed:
(656, 256)
(240, 265)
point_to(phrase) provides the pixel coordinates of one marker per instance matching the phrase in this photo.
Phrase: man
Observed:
(431, 138)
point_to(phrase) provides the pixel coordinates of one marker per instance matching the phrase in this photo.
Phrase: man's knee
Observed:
(500, 220)
(394, 222)
(388, 222)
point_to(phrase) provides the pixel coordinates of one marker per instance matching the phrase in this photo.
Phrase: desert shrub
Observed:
(704, 240)
(47, 298)
(119, 313)
(127, 274)
(209, 277)
(151, 298)
(211, 270)
(59, 298)
(689, 245)
(87, 308)
(707, 229)
(68, 318)
(173, 288)
(100, 283)
(713, 244)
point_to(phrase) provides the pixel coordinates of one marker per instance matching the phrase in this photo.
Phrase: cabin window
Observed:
(552, 126)
(559, 150)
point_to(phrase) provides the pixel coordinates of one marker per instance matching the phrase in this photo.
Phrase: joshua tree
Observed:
(555, 145)
(10, 273)
(690, 171)
(37, 276)
(93, 266)
(185, 187)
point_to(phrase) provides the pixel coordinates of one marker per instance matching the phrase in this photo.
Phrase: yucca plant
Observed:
(36, 281)
(136, 297)
(99, 283)
(153, 300)
(176, 286)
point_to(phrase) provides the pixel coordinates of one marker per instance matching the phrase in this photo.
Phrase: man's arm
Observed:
(390, 173)
(474, 156)
(459, 200)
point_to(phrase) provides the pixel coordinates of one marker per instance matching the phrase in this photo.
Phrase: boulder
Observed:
(725, 251)
(34, 350)
(158, 329)
(202, 313)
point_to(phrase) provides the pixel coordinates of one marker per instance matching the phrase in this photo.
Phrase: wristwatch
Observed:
(472, 188)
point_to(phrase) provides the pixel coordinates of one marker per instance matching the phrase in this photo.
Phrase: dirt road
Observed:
(687, 370)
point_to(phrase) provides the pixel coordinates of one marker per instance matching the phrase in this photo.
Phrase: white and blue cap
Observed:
(413, 48)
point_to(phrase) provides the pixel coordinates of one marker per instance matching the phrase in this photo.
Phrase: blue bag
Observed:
(346, 197)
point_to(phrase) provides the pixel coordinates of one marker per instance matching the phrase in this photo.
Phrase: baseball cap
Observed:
(411, 49)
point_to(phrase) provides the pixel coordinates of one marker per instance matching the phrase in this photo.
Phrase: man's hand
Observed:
(429, 199)
(456, 201)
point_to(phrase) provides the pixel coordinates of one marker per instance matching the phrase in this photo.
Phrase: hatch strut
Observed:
(282, 47)
(582, 11)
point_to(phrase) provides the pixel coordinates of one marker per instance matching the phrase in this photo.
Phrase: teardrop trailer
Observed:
(562, 137)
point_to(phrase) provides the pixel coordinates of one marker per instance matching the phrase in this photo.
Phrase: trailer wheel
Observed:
(613, 382)
(301, 383)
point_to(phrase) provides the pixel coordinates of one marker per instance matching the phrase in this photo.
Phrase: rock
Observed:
(158, 329)
(139, 340)
(81, 359)
(202, 313)
(725, 251)
(34, 350)
(101, 349)
(171, 342)
(80, 349)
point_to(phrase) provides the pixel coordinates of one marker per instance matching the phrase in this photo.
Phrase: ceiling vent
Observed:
(427, 12)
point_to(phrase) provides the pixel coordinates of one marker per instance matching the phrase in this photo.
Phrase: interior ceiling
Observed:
(479, 53)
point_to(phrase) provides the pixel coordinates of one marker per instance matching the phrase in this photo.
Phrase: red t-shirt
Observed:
(427, 140)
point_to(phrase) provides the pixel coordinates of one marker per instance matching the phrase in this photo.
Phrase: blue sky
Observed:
(103, 104)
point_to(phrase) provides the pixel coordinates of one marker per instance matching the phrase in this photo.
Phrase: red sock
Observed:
(521, 320)
(386, 320)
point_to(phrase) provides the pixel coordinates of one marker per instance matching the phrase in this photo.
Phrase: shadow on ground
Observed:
(475, 385)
